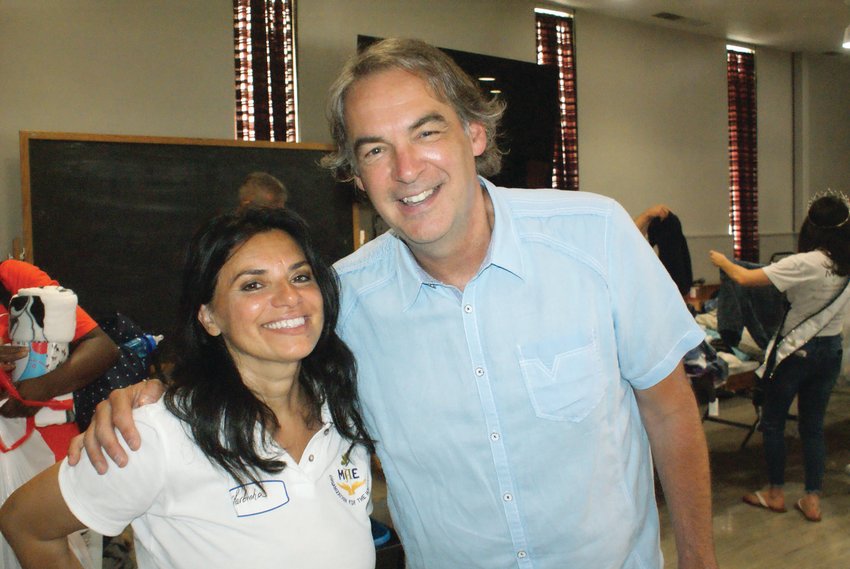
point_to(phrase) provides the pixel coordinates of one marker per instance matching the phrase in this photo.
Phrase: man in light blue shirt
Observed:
(518, 350)
(505, 412)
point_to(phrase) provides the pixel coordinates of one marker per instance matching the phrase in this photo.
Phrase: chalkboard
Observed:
(110, 216)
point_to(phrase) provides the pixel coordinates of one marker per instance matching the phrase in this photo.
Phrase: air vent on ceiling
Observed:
(671, 17)
(668, 16)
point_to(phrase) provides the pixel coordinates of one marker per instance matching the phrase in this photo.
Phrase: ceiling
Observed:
(811, 26)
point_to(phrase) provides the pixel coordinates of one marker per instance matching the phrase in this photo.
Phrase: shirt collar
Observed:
(272, 449)
(504, 252)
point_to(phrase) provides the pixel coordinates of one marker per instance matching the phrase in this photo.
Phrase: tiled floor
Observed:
(752, 538)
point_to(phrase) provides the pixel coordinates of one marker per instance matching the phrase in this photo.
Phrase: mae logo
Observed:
(350, 483)
(252, 499)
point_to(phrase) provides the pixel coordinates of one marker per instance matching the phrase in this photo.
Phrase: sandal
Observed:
(811, 517)
(757, 499)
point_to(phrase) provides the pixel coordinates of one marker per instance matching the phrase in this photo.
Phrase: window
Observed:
(264, 53)
(743, 158)
(555, 46)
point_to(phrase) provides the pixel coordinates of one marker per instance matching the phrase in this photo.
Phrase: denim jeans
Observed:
(809, 374)
(758, 308)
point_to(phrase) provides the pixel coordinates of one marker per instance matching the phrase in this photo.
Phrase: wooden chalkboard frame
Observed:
(94, 185)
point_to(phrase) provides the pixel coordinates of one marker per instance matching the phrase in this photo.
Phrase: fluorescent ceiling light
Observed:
(553, 13)
(739, 48)
(846, 44)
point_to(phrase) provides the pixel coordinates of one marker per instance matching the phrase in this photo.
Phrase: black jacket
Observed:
(672, 250)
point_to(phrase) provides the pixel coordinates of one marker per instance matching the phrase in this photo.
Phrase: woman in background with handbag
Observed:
(804, 360)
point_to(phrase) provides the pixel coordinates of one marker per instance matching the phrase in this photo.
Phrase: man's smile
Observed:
(420, 197)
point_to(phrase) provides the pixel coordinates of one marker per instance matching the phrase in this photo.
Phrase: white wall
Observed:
(652, 101)
(653, 128)
(159, 67)
(652, 119)
(823, 98)
(328, 30)
(774, 99)
(652, 124)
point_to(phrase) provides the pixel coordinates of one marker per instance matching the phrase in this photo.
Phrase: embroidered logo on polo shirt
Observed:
(252, 499)
(349, 482)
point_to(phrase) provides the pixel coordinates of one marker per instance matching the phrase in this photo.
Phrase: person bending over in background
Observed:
(262, 189)
(804, 361)
(257, 456)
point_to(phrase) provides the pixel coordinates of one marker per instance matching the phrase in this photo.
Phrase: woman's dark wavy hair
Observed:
(827, 227)
(207, 392)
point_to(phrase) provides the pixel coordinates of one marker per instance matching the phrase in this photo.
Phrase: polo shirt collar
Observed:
(504, 252)
(272, 450)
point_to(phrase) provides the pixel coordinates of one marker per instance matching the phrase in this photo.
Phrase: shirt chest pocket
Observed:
(564, 383)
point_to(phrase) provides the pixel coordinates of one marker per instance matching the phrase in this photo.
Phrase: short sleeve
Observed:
(653, 327)
(85, 324)
(797, 269)
(108, 503)
(15, 275)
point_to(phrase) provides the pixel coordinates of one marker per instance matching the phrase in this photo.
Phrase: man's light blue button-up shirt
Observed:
(505, 415)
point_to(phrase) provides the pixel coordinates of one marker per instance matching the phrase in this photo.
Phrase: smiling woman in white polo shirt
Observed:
(257, 456)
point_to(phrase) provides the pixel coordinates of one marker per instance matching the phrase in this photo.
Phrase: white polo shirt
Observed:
(187, 513)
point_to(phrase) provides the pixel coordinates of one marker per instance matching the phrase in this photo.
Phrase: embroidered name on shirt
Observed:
(252, 499)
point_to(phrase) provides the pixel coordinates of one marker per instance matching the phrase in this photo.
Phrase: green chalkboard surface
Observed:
(110, 216)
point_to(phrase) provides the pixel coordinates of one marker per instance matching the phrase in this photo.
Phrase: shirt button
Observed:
(494, 437)
(479, 371)
(327, 431)
(508, 497)
(521, 554)
(467, 308)
(311, 458)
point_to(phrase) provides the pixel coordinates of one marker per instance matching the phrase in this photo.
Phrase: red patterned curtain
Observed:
(743, 156)
(264, 52)
(555, 46)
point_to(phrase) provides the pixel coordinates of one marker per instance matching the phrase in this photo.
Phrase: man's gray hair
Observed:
(446, 80)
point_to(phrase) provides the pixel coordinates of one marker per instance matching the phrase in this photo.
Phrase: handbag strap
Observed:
(770, 361)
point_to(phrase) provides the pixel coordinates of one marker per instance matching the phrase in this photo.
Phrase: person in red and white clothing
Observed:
(92, 354)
